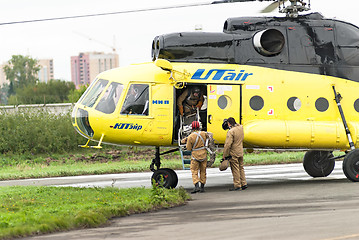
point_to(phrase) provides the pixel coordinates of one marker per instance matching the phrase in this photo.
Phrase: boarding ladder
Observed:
(183, 132)
(186, 158)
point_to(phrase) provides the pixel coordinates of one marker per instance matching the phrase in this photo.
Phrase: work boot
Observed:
(196, 188)
(202, 187)
(235, 189)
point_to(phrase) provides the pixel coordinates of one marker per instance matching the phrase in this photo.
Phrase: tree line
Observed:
(24, 86)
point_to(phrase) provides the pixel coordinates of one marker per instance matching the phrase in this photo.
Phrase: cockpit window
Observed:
(94, 93)
(136, 101)
(109, 100)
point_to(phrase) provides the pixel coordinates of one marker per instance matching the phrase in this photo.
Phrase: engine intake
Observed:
(269, 42)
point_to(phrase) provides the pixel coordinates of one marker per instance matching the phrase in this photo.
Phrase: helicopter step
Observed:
(186, 158)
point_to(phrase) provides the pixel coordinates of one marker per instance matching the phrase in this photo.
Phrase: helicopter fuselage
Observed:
(278, 108)
(291, 83)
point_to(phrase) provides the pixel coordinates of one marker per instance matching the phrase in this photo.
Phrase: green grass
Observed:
(271, 157)
(108, 161)
(33, 210)
(87, 161)
(75, 169)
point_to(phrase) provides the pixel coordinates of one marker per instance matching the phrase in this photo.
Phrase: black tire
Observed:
(169, 176)
(318, 164)
(351, 165)
(175, 177)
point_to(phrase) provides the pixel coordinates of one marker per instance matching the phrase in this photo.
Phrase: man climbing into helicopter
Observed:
(190, 100)
(196, 142)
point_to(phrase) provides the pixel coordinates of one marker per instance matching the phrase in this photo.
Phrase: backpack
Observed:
(209, 145)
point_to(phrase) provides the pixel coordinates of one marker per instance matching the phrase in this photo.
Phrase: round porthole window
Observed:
(294, 104)
(224, 102)
(356, 105)
(321, 104)
(256, 103)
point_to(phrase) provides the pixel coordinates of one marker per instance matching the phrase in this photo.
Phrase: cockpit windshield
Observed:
(91, 98)
(110, 98)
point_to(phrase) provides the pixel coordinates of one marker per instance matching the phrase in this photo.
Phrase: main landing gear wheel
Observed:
(169, 176)
(351, 165)
(318, 163)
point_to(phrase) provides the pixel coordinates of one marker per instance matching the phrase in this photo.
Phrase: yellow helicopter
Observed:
(291, 81)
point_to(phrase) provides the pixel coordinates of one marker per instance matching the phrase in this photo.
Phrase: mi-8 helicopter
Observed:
(291, 81)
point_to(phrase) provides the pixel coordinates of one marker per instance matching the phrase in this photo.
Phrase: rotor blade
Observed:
(232, 1)
(271, 7)
(129, 11)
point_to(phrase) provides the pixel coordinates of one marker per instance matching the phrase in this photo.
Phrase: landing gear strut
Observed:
(164, 177)
(351, 160)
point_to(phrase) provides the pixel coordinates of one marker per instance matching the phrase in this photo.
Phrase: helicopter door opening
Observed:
(191, 103)
(223, 102)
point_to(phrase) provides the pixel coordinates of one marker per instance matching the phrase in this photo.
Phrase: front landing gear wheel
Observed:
(169, 177)
(318, 163)
(351, 165)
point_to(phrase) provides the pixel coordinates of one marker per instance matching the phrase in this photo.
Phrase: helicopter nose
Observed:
(80, 121)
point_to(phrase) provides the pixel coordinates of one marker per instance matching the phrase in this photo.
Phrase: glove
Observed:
(199, 104)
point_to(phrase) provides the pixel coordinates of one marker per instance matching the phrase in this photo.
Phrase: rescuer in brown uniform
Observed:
(233, 150)
(189, 100)
(196, 143)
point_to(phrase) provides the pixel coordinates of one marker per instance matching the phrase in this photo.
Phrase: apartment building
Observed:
(86, 66)
(46, 72)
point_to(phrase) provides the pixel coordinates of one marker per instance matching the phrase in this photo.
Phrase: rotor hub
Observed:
(295, 7)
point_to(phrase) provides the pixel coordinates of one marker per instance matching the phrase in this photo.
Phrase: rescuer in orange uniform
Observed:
(195, 142)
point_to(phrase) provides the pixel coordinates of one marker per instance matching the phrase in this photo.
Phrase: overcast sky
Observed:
(131, 33)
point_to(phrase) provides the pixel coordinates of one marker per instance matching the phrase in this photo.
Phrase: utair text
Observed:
(221, 74)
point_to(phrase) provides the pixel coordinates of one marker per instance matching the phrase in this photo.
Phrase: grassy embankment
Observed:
(122, 159)
(26, 211)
